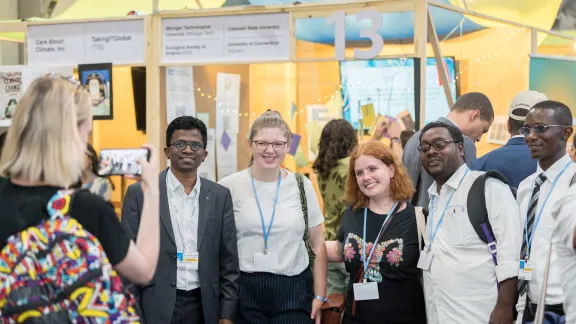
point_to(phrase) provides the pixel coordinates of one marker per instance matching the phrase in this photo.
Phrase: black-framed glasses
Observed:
(537, 129)
(263, 145)
(438, 146)
(181, 145)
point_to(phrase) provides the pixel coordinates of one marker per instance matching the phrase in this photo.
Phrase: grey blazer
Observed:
(413, 163)
(218, 255)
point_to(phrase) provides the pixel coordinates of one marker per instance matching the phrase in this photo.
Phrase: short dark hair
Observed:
(514, 125)
(562, 114)
(405, 136)
(475, 101)
(186, 123)
(455, 133)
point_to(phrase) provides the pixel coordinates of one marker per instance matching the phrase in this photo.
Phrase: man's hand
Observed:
(225, 321)
(502, 314)
(316, 313)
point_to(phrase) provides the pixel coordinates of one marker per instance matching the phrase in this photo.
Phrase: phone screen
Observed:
(122, 161)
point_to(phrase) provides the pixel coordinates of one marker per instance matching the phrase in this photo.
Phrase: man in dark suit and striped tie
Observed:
(547, 128)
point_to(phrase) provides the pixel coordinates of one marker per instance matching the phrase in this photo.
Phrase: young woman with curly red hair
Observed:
(377, 189)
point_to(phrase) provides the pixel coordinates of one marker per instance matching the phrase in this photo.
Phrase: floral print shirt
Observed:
(332, 191)
(396, 254)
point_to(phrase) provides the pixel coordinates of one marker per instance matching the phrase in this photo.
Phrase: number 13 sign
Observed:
(338, 19)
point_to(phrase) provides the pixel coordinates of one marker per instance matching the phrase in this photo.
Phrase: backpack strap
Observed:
(478, 213)
(420, 225)
(573, 180)
(60, 204)
(304, 203)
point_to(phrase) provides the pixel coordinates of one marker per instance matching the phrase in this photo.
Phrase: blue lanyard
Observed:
(266, 233)
(433, 235)
(367, 260)
(529, 238)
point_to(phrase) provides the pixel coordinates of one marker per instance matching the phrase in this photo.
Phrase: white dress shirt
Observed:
(460, 285)
(543, 232)
(184, 216)
(565, 222)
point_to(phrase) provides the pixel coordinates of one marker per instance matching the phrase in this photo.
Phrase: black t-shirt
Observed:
(91, 211)
(393, 267)
(397, 251)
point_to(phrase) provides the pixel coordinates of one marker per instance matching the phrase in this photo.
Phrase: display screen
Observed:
(389, 86)
(122, 161)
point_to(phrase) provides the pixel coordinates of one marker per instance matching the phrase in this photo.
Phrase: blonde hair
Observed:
(43, 143)
(269, 119)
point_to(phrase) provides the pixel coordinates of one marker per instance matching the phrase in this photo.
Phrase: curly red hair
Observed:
(401, 187)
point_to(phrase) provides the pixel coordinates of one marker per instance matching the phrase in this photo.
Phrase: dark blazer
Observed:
(218, 255)
(513, 160)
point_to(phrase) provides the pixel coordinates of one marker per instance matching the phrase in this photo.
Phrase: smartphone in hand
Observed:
(122, 161)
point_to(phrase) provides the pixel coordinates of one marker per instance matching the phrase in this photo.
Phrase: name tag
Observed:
(265, 262)
(425, 259)
(366, 291)
(525, 271)
(187, 261)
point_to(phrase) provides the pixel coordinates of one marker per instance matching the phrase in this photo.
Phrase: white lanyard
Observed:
(177, 216)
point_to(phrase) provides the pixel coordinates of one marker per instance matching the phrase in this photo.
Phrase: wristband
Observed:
(323, 299)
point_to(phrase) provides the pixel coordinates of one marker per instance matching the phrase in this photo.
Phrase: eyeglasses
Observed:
(263, 145)
(71, 79)
(537, 129)
(438, 146)
(181, 145)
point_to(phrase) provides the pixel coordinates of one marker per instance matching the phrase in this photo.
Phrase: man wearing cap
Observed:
(513, 160)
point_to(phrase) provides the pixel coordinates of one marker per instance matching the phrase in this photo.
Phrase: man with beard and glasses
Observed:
(460, 278)
(547, 128)
(195, 280)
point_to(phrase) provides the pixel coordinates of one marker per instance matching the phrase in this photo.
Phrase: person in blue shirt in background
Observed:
(513, 159)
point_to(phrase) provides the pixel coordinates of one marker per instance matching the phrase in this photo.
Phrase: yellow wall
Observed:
(119, 132)
(500, 72)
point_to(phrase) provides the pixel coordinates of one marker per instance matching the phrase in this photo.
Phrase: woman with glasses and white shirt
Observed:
(277, 283)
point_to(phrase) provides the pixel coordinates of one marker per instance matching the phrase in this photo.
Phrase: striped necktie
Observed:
(523, 284)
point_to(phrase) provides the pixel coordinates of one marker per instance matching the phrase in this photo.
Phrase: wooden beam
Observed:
(302, 10)
(331, 59)
(533, 41)
(420, 43)
(153, 111)
(433, 37)
(496, 19)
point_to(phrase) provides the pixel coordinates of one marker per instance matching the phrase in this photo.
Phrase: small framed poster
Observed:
(97, 80)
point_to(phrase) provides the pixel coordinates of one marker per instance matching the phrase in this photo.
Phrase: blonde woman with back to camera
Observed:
(279, 282)
(44, 153)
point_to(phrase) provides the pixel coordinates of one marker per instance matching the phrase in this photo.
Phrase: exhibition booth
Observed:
(404, 60)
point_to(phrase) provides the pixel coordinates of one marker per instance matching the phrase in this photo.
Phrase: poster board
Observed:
(121, 42)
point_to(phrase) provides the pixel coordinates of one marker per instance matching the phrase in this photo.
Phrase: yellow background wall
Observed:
(119, 132)
(493, 61)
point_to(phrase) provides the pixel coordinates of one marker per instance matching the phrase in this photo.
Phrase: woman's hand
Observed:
(316, 313)
(149, 174)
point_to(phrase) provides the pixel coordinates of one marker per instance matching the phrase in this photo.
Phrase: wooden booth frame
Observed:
(424, 32)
